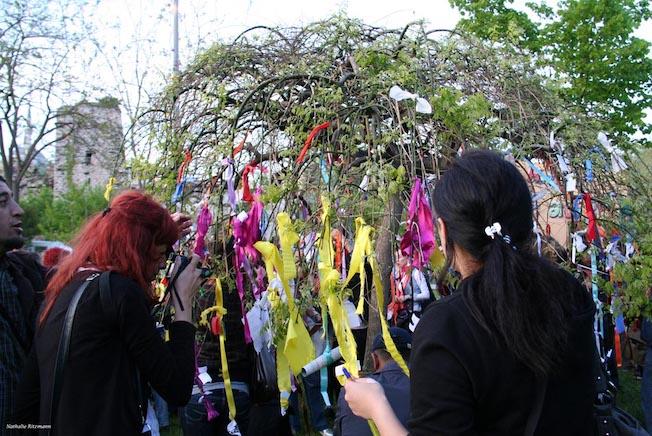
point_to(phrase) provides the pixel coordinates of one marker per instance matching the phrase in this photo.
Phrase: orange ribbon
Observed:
(184, 165)
(310, 138)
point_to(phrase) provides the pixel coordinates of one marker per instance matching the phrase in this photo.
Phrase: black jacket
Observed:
(98, 395)
(397, 390)
(463, 383)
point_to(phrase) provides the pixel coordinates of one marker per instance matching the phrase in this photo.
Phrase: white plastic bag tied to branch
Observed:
(617, 162)
(400, 94)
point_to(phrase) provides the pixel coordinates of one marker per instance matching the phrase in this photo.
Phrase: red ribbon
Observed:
(184, 165)
(310, 138)
(246, 192)
(591, 231)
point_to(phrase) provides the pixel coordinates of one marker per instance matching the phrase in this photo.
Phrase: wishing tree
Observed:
(286, 132)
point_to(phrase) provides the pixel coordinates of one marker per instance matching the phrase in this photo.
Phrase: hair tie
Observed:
(496, 229)
(493, 230)
(107, 210)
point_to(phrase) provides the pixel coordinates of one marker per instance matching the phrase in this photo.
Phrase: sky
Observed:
(136, 35)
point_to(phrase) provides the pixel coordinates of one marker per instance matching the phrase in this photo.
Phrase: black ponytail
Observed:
(516, 296)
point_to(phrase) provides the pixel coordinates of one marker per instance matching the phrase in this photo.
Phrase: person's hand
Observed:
(186, 285)
(365, 396)
(183, 222)
(405, 297)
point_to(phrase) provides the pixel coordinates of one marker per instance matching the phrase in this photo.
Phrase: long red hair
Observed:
(122, 239)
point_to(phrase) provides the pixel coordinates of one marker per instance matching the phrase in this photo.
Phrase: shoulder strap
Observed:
(64, 348)
(105, 295)
(535, 414)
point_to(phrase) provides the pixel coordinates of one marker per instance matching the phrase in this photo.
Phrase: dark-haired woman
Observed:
(510, 352)
(115, 350)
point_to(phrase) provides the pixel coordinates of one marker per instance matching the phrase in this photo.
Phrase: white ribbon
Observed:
(617, 162)
(578, 245)
(400, 94)
(493, 229)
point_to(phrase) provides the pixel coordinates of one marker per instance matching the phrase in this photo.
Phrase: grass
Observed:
(629, 394)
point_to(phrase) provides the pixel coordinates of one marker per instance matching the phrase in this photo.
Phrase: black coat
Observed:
(98, 395)
(463, 383)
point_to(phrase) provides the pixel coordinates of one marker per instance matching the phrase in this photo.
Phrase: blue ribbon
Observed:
(588, 166)
(544, 177)
(577, 208)
(599, 324)
(324, 171)
(323, 373)
(178, 192)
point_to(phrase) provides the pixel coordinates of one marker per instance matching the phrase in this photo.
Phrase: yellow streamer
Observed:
(328, 280)
(282, 366)
(298, 348)
(219, 308)
(109, 188)
(362, 250)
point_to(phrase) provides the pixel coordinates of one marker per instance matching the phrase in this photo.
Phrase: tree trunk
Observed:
(384, 243)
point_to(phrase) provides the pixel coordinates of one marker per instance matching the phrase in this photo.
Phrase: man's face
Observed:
(11, 217)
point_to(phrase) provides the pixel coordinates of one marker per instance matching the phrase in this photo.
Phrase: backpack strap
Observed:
(64, 348)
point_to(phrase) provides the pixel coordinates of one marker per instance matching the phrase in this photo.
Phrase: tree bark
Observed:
(384, 242)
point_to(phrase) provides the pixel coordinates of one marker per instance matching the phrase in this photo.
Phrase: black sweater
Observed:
(463, 383)
(98, 395)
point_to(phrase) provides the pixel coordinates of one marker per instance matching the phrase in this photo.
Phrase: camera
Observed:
(185, 260)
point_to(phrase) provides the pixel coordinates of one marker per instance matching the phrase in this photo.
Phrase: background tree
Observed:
(590, 46)
(264, 93)
(39, 42)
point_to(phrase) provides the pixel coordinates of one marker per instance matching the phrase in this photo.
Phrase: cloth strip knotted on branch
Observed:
(181, 179)
(617, 162)
(418, 242)
(246, 232)
(311, 137)
(204, 220)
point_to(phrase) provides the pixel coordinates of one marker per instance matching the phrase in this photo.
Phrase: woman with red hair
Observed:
(114, 351)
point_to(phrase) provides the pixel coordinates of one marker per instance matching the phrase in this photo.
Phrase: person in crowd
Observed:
(391, 377)
(115, 351)
(53, 255)
(511, 350)
(646, 384)
(409, 290)
(194, 416)
(21, 292)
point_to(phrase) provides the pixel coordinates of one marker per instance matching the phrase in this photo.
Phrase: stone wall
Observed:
(91, 137)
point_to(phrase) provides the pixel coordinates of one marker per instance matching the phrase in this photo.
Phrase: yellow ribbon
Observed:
(219, 308)
(363, 250)
(328, 279)
(298, 348)
(109, 188)
(282, 365)
(360, 251)
(328, 291)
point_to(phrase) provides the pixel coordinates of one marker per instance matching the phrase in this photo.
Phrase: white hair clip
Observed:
(493, 229)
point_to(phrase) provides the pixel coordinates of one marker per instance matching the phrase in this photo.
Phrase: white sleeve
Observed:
(419, 282)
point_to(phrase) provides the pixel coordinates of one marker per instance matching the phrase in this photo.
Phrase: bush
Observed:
(59, 218)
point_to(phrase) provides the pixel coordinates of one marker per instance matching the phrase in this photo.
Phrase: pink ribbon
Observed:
(418, 242)
(204, 220)
(245, 234)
